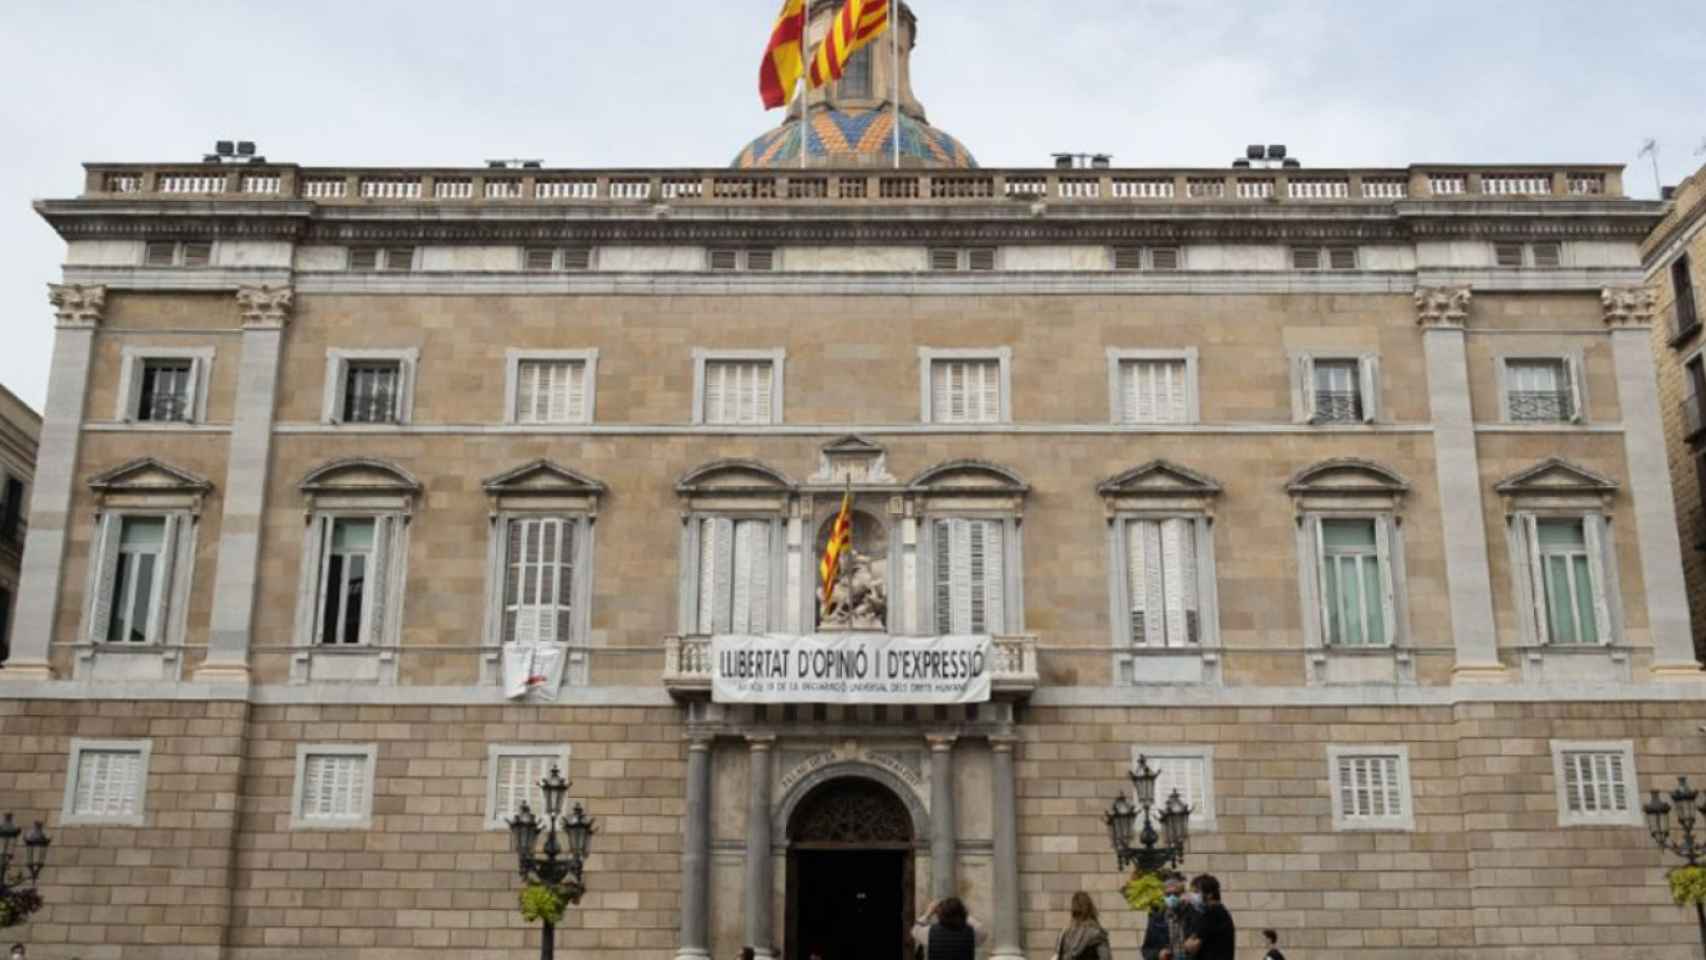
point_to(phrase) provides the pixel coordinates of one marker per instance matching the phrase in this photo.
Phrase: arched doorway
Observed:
(850, 848)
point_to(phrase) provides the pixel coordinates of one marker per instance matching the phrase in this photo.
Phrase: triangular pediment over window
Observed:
(1554, 476)
(852, 459)
(541, 485)
(1159, 485)
(148, 475)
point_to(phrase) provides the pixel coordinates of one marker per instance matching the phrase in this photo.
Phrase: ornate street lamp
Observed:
(18, 897)
(1687, 802)
(557, 868)
(1153, 850)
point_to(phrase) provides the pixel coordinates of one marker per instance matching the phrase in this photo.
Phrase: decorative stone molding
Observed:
(1443, 306)
(1628, 306)
(266, 306)
(852, 459)
(77, 306)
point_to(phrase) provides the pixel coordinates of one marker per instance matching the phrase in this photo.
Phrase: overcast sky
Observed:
(576, 82)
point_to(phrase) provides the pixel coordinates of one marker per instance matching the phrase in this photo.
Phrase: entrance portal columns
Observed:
(944, 850)
(760, 869)
(696, 855)
(1007, 936)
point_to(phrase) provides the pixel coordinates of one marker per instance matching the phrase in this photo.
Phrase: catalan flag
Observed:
(858, 23)
(840, 539)
(784, 59)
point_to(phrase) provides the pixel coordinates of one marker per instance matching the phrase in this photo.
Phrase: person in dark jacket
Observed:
(1217, 936)
(1271, 938)
(947, 932)
(1171, 924)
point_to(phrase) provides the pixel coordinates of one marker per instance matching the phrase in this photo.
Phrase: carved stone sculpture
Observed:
(76, 305)
(859, 600)
(1443, 306)
(1628, 306)
(265, 306)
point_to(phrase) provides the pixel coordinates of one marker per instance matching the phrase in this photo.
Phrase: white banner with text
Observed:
(851, 668)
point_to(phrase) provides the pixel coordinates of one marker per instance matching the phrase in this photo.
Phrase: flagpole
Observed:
(894, 65)
(805, 79)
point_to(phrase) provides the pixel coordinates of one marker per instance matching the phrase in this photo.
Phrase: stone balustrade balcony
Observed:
(842, 187)
(687, 666)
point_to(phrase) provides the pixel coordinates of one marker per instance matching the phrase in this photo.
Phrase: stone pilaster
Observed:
(1008, 943)
(944, 850)
(696, 855)
(78, 311)
(1443, 313)
(266, 312)
(1629, 314)
(760, 868)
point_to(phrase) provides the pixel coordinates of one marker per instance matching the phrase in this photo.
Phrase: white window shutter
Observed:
(101, 606)
(1323, 598)
(763, 401)
(716, 555)
(994, 577)
(959, 575)
(160, 606)
(715, 390)
(1173, 596)
(1593, 529)
(942, 544)
(1303, 385)
(568, 540)
(574, 405)
(1369, 381)
(1144, 611)
(1578, 400)
(1530, 536)
(991, 392)
(515, 627)
(373, 606)
(940, 409)
(1131, 392)
(1384, 537)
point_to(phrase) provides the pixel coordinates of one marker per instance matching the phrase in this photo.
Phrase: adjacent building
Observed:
(1675, 258)
(1338, 494)
(20, 431)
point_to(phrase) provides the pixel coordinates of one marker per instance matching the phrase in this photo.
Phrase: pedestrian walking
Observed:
(1272, 938)
(947, 931)
(1217, 936)
(1171, 924)
(17, 951)
(1084, 939)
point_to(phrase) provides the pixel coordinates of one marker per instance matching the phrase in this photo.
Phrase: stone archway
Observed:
(850, 842)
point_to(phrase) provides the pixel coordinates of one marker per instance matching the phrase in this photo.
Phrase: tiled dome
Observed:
(856, 138)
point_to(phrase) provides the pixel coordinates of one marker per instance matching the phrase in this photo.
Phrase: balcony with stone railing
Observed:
(687, 666)
(722, 187)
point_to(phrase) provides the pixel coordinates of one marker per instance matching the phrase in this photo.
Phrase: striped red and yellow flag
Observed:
(840, 539)
(856, 24)
(785, 58)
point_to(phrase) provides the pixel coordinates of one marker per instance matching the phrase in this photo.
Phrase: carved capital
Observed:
(265, 306)
(1628, 306)
(1443, 306)
(77, 306)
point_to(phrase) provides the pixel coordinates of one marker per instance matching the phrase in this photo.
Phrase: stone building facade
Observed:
(20, 430)
(1338, 494)
(1675, 258)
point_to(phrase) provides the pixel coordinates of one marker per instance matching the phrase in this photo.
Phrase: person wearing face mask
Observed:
(1172, 924)
(1216, 935)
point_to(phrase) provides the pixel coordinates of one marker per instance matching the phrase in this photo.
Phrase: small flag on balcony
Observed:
(840, 540)
(784, 59)
(856, 24)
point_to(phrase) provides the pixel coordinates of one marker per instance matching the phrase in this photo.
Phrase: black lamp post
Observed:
(1155, 850)
(1687, 800)
(558, 868)
(23, 880)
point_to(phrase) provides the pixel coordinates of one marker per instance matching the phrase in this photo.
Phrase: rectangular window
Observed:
(12, 511)
(198, 254)
(160, 255)
(1547, 255)
(1596, 783)
(856, 78)
(1694, 397)
(139, 581)
(1354, 595)
(735, 576)
(372, 391)
(513, 774)
(1337, 391)
(1370, 787)
(1324, 258)
(965, 391)
(1682, 281)
(168, 391)
(739, 391)
(551, 391)
(1155, 391)
(386, 259)
(1161, 570)
(1541, 390)
(1188, 770)
(1570, 587)
(954, 259)
(107, 782)
(540, 260)
(539, 580)
(334, 786)
(758, 259)
(969, 578)
(1508, 254)
(5, 622)
(346, 605)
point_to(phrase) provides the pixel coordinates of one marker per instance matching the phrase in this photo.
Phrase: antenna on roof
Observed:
(1650, 148)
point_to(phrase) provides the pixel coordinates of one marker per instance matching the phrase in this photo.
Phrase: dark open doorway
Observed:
(850, 872)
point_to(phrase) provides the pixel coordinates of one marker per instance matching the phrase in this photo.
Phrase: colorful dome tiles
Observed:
(855, 138)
